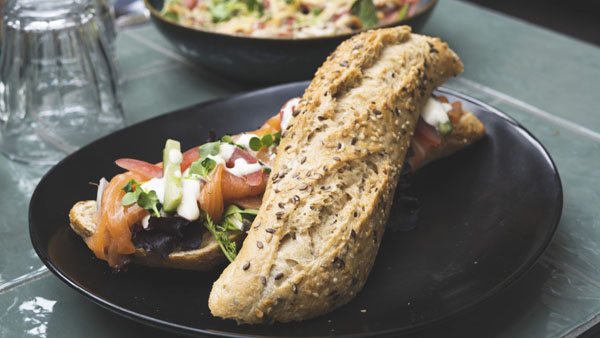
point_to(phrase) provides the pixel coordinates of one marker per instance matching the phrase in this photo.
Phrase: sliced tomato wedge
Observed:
(145, 169)
(189, 157)
(427, 134)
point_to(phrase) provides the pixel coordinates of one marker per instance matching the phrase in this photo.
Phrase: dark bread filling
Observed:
(165, 235)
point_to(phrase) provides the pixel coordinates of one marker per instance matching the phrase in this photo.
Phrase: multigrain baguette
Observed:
(314, 241)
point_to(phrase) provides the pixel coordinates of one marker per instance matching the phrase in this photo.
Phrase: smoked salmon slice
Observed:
(112, 239)
(211, 195)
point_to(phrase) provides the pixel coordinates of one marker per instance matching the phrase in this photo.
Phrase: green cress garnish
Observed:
(146, 200)
(222, 237)
(150, 202)
(277, 137)
(266, 140)
(227, 139)
(129, 187)
(203, 167)
(234, 217)
(211, 148)
(255, 143)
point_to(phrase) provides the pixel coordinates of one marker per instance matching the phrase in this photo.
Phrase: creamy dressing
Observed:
(158, 185)
(436, 112)
(287, 110)
(192, 183)
(244, 140)
(242, 168)
(218, 159)
(175, 156)
(188, 208)
(226, 150)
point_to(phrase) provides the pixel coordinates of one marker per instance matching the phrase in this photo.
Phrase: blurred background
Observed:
(576, 18)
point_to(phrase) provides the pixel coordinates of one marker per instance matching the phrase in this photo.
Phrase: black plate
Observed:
(266, 60)
(487, 213)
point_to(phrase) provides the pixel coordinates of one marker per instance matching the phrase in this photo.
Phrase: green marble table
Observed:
(546, 81)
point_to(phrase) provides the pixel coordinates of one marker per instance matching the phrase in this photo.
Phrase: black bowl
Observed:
(260, 60)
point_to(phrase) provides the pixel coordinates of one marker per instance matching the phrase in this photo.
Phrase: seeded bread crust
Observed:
(83, 221)
(314, 241)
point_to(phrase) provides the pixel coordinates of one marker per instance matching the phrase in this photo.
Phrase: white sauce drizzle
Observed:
(188, 208)
(436, 112)
(156, 184)
(226, 150)
(242, 168)
(244, 140)
(287, 110)
(175, 156)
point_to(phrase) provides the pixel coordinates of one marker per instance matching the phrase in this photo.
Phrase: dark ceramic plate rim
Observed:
(156, 15)
(509, 280)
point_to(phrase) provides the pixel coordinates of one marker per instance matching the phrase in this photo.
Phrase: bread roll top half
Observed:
(313, 244)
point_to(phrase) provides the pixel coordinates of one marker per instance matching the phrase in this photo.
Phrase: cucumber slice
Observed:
(445, 128)
(172, 174)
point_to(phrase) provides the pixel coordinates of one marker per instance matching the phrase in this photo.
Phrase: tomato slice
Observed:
(189, 157)
(427, 134)
(145, 169)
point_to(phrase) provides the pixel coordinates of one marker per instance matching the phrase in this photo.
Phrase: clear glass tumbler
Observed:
(58, 83)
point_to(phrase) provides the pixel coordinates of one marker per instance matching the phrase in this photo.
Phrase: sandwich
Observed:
(165, 245)
(314, 240)
(308, 192)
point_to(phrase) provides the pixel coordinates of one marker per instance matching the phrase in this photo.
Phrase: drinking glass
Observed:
(58, 83)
